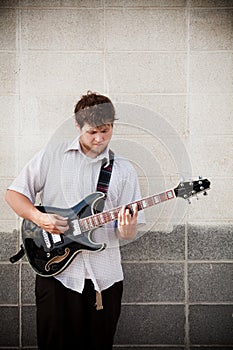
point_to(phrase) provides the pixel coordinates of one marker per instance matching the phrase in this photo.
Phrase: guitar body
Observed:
(49, 254)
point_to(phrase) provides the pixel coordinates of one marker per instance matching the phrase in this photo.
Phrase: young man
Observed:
(67, 317)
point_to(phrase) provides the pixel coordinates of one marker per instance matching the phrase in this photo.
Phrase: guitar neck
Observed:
(102, 218)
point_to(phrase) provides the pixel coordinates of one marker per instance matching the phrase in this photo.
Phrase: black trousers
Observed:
(69, 320)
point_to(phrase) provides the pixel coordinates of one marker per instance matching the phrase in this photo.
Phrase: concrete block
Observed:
(62, 29)
(8, 73)
(82, 3)
(145, 3)
(8, 244)
(211, 3)
(29, 146)
(9, 3)
(135, 76)
(147, 29)
(167, 245)
(46, 115)
(217, 163)
(214, 208)
(8, 226)
(211, 324)
(9, 326)
(210, 243)
(61, 74)
(147, 153)
(9, 123)
(204, 281)
(152, 246)
(40, 3)
(211, 115)
(8, 28)
(137, 250)
(151, 324)
(153, 282)
(8, 156)
(135, 347)
(211, 29)
(170, 109)
(29, 322)
(6, 212)
(211, 72)
(27, 284)
(199, 347)
(9, 292)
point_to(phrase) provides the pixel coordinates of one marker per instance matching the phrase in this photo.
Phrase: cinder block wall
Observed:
(167, 65)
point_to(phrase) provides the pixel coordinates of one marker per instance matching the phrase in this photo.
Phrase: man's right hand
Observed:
(52, 223)
(23, 207)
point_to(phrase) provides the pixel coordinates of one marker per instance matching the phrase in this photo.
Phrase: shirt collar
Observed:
(75, 146)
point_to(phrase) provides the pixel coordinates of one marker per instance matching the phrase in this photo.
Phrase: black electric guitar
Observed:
(49, 254)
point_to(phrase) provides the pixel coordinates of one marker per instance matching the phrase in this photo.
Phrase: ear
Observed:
(78, 127)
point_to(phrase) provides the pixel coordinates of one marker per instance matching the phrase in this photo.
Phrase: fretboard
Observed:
(97, 220)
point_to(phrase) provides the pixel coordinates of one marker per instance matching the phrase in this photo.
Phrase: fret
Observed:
(104, 217)
(96, 220)
(140, 205)
(163, 197)
(92, 221)
(101, 217)
(108, 217)
(150, 201)
(83, 225)
(89, 222)
(86, 225)
(112, 215)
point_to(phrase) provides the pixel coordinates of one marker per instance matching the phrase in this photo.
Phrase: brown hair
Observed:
(94, 109)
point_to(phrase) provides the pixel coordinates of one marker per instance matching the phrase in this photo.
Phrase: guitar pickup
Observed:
(56, 238)
(51, 239)
(76, 228)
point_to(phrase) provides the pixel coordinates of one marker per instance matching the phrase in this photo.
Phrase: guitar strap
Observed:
(105, 174)
(102, 186)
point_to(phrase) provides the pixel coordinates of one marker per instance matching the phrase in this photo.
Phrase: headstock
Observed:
(189, 189)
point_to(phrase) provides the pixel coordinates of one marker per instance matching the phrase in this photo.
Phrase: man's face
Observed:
(94, 140)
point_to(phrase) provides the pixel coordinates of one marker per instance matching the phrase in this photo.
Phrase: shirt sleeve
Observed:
(31, 179)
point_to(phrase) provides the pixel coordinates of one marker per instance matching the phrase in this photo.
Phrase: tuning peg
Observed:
(182, 179)
(200, 180)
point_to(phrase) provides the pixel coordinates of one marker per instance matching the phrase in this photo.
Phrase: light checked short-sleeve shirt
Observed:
(63, 176)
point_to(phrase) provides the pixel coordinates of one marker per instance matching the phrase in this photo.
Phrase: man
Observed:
(67, 316)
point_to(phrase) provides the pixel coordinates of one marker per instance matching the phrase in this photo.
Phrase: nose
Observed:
(99, 137)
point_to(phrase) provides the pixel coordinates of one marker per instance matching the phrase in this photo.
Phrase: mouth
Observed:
(98, 144)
